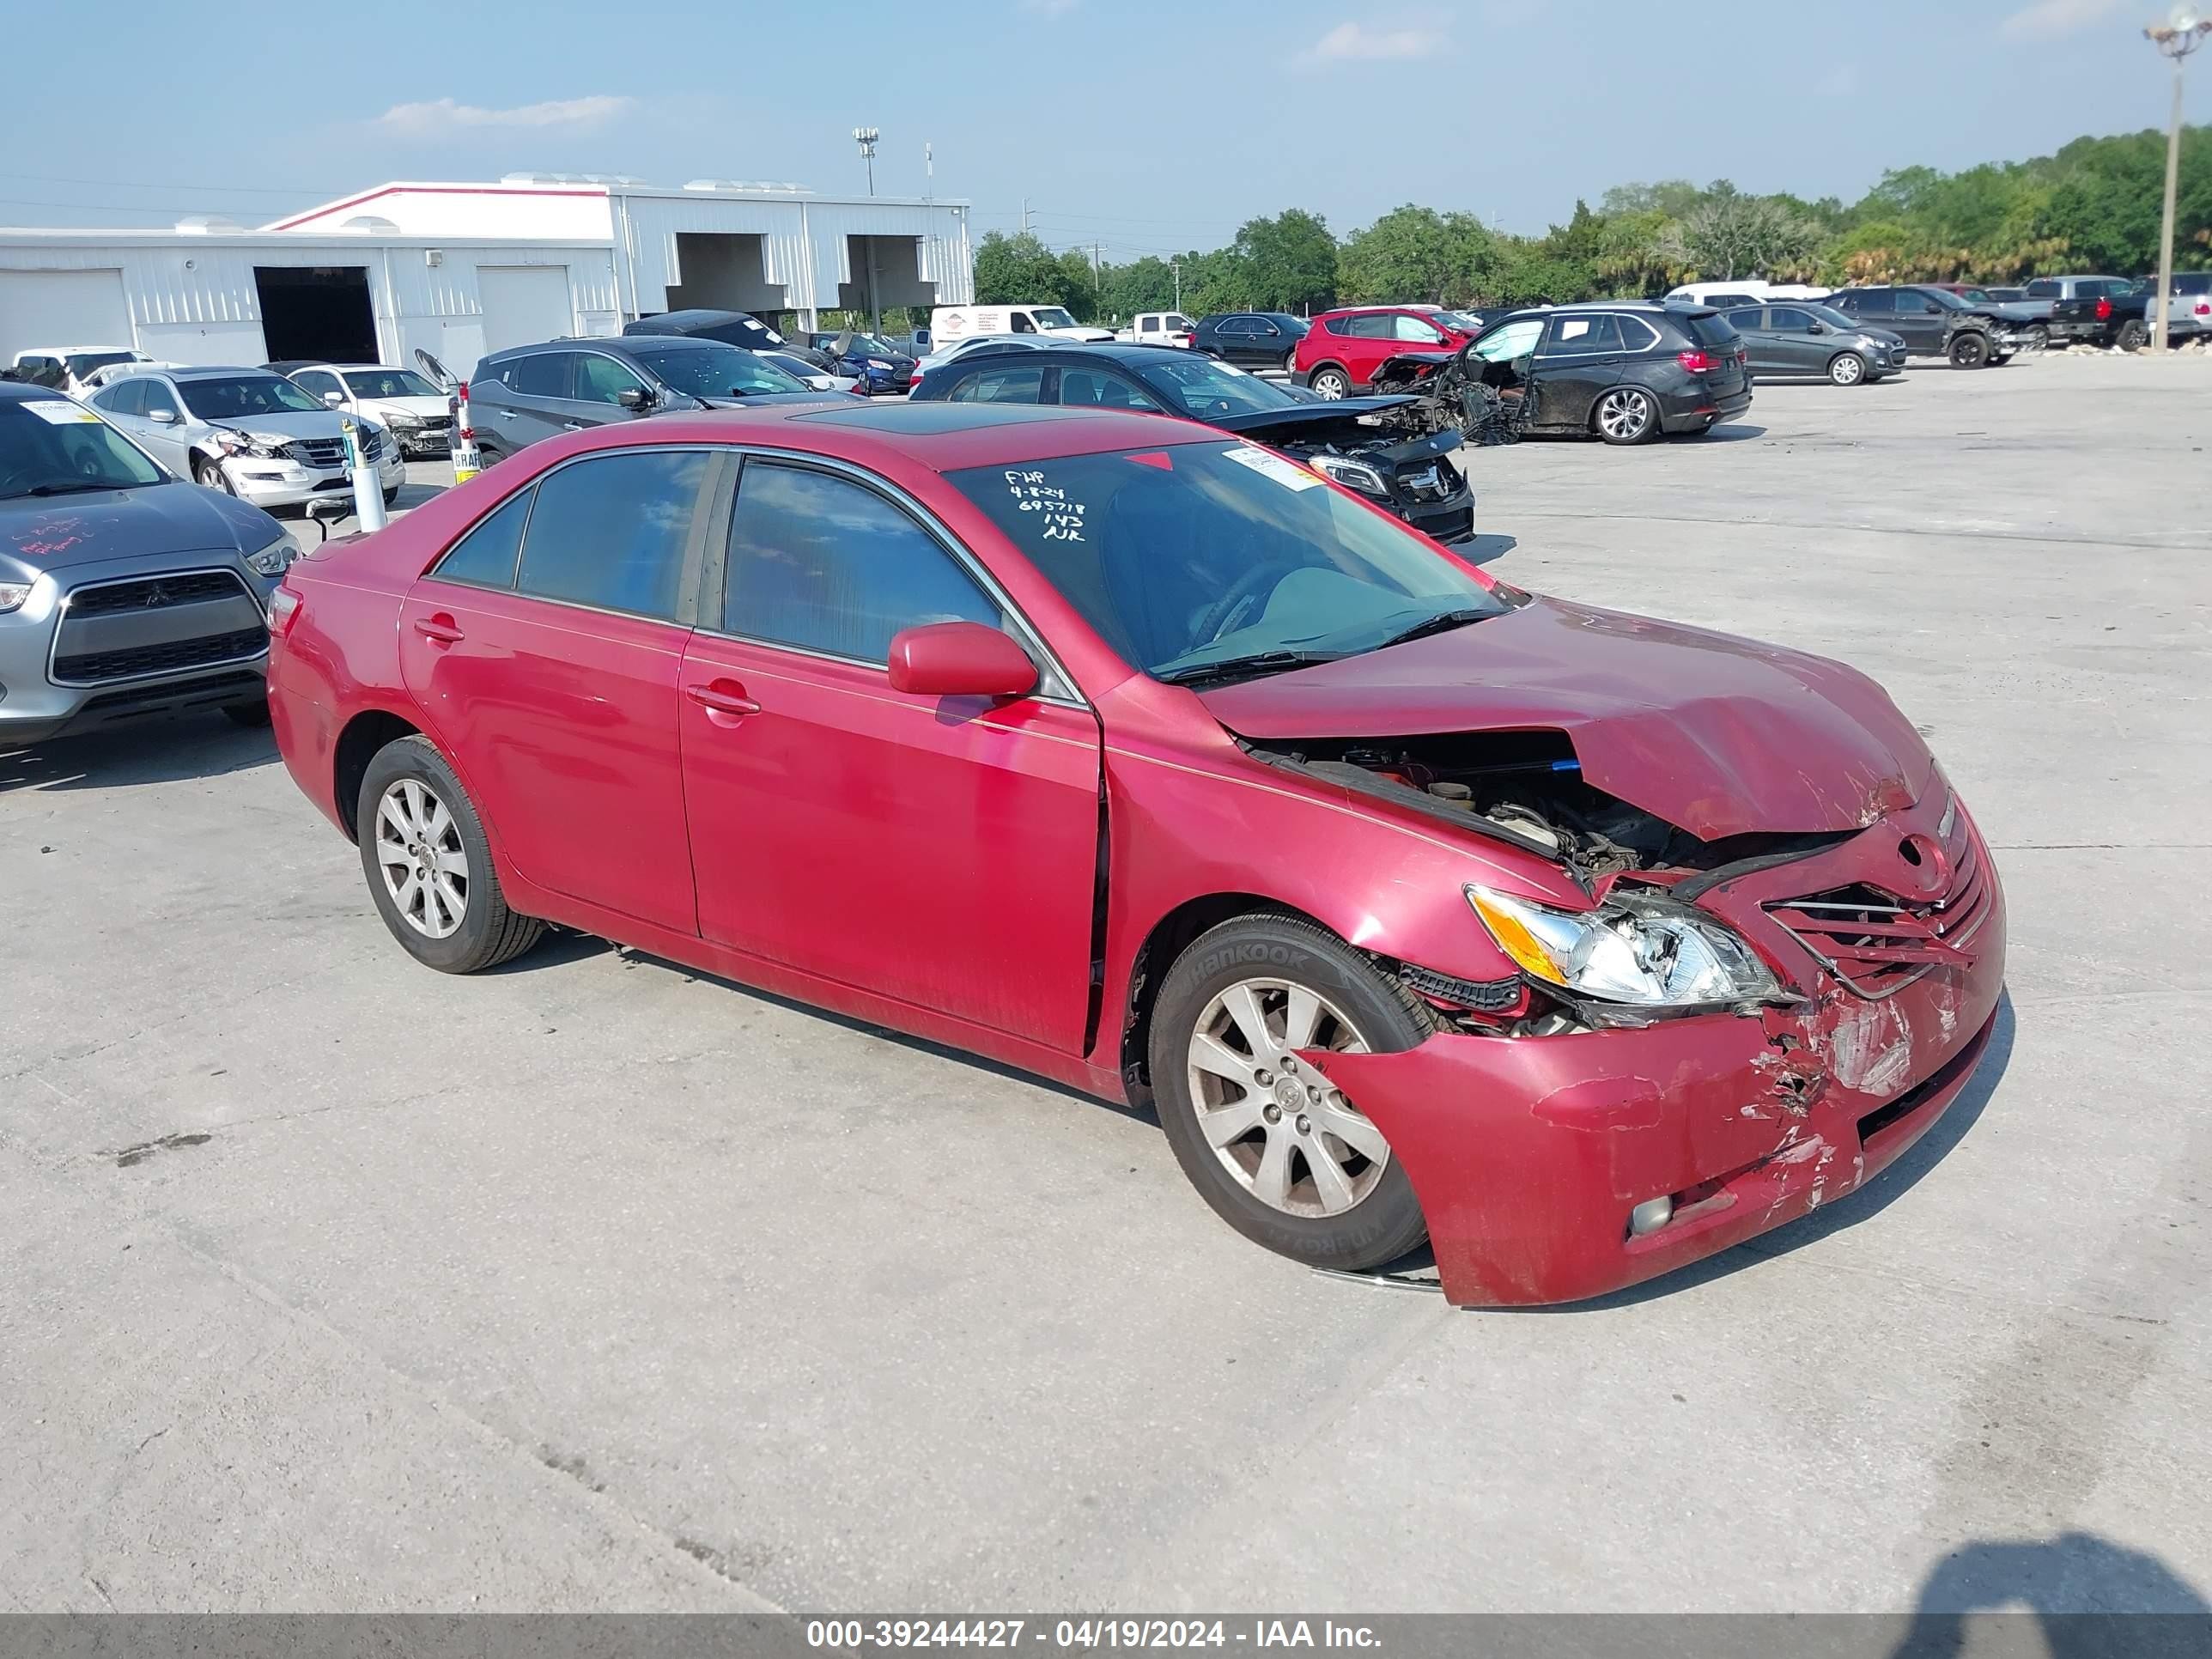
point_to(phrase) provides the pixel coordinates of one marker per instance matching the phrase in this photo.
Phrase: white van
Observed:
(1746, 291)
(951, 323)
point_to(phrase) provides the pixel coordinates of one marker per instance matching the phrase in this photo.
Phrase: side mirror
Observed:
(1817, 327)
(960, 659)
(635, 396)
(162, 416)
(334, 400)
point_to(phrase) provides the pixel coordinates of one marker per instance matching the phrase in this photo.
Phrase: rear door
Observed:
(939, 851)
(1368, 338)
(1766, 350)
(545, 649)
(1579, 358)
(532, 401)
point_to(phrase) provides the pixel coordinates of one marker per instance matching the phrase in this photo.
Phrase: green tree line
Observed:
(2092, 206)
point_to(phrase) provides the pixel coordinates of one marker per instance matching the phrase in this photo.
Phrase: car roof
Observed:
(16, 392)
(943, 437)
(201, 371)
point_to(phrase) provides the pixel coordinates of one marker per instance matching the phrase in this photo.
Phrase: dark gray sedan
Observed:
(1814, 342)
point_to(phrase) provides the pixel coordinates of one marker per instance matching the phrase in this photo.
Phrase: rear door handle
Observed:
(439, 631)
(574, 426)
(504, 414)
(722, 697)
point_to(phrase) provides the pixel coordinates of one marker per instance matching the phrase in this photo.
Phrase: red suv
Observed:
(1341, 351)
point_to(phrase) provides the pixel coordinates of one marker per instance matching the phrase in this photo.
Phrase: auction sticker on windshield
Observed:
(58, 413)
(1289, 474)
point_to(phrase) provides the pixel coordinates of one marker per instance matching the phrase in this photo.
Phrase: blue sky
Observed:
(1148, 127)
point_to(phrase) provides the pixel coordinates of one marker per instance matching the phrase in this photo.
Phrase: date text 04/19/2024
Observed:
(854, 1634)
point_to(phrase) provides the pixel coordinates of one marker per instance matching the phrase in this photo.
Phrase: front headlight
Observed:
(1646, 951)
(1352, 475)
(878, 362)
(237, 443)
(14, 596)
(273, 560)
(400, 421)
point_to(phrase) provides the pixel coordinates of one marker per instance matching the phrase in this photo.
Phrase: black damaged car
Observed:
(1357, 442)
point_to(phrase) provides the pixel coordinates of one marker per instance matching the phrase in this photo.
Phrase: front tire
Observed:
(1274, 1149)
(392, 495)
(430, 866)
(2039, 338)
(1627, 415)
(1847, 368)
(1970, 350)
(1331, 383)
(210, 475)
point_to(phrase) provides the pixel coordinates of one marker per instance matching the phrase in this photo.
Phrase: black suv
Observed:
(1625, 370)
(522, 394)
(1410, 477)
(1254, 339)
(1935, 322)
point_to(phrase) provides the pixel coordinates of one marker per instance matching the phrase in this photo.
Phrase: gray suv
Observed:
(526, 393)
(1815, 342)
(124, 590)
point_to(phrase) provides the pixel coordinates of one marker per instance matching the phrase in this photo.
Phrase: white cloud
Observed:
(1356, 43)
(2046, 20)
(442, 115)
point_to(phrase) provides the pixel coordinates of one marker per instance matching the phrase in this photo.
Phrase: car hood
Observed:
(2009, 311)
(760, 397)
(282, 429)
(58, 532)
(378, 408)
(1315, 422)
(1716, 735)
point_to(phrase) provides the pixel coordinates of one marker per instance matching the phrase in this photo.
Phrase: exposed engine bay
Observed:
(1485, 402)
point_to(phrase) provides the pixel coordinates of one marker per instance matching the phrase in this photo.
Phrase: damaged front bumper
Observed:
(1530, 1155)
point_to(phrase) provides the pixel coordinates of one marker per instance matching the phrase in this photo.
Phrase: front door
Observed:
(1796, 341)
(1920, 320)
(939, 851)
(545, 650)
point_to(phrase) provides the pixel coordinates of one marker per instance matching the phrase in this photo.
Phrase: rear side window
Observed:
(1875, 302)
(1371, 326)
(1573, 336)
(1000, 385)
(544, 375)
(2043, 289)
(1749, 322)
(1338, 325)
(1711, 331)
(485, 557)
(610, 530)
(822, 563)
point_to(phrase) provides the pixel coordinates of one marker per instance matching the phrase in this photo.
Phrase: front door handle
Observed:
(504, 414)
(439, 630)
(722, 697)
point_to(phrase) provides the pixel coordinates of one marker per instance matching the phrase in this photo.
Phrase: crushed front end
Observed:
(1563, 1146)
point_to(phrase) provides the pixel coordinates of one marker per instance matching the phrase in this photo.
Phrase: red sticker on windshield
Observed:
(1157, 458)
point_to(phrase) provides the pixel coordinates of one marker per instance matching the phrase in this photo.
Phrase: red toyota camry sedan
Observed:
(1580, 944)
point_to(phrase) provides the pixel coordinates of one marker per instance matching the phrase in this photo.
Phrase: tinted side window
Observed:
(1912, 303)
(1754, 320)
(602, 380)
(157, 396)
(1573, 336)
(1338, 325)
(610, 530)
(1878, 302)
(485, 555)
(1781, 318)
(316, 382)
(2043, 289)
(1000, 385)
(544, 375)
(125, 396)
(822, 563)
(1088, 386)
(1371, 326)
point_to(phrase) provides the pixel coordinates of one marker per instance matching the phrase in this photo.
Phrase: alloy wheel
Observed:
(1847, 370)
(1330, 384)
(419, 851)
(1284, 1133)
(1623, 416)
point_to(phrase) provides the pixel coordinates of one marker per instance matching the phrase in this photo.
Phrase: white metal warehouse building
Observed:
(459, 269)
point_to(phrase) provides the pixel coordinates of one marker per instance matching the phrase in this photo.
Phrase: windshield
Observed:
(1054, 317)
(794, 366)
(83, 364)
(715, 371)
(1943, 297)
(1831, 316)
(245, 395)
(49, 447)
(1203, 388)
(1200, 553)
(388, 383)
(1458, 320)
(874, 345)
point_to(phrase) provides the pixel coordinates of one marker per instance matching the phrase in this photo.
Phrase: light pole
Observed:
(2182, 33)
(865, 138)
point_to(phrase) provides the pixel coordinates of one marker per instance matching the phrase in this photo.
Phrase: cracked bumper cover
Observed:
(1527, 1154)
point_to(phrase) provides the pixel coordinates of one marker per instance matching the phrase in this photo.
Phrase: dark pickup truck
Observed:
(2099, 311)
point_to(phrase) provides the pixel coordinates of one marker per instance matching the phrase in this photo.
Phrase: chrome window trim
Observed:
(1049, 664)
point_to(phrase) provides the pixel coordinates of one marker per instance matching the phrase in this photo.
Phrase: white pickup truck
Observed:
(1158, 328)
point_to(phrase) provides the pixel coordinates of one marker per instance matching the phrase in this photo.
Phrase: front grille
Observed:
(163, 658)
(315, 452)
(1877, 943)
(1426, 483)
(154, 593)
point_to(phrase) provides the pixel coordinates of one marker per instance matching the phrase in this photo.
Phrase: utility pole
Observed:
(865, 138)
(1175, 267)
(1025, 216)
(929, 172)
(2184, 33)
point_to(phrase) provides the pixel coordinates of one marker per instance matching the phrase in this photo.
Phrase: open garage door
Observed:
(62, 307)
(525, 304)
(316, 312)
(725, 272)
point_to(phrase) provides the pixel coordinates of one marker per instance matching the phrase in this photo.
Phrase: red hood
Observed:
(1716, 735)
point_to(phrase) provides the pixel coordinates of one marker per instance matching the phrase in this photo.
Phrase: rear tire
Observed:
(1970, 350)
(2039, 338)
(1847, 368)
(430, 866)
(1330, 383)
(1627, 415)
(1288, 974)
(1290, 362)
(2135, 334)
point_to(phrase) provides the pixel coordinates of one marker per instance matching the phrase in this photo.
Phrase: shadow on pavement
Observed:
(162, 751)
(2088, 1598)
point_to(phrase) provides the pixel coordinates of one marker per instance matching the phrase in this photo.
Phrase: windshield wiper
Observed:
(1257, 662)
(69, 488)
(1442, 621)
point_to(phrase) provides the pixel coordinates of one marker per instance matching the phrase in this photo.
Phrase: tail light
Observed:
(1698, 363)
(2204, 307)
(283, 604)
(2104, 308)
